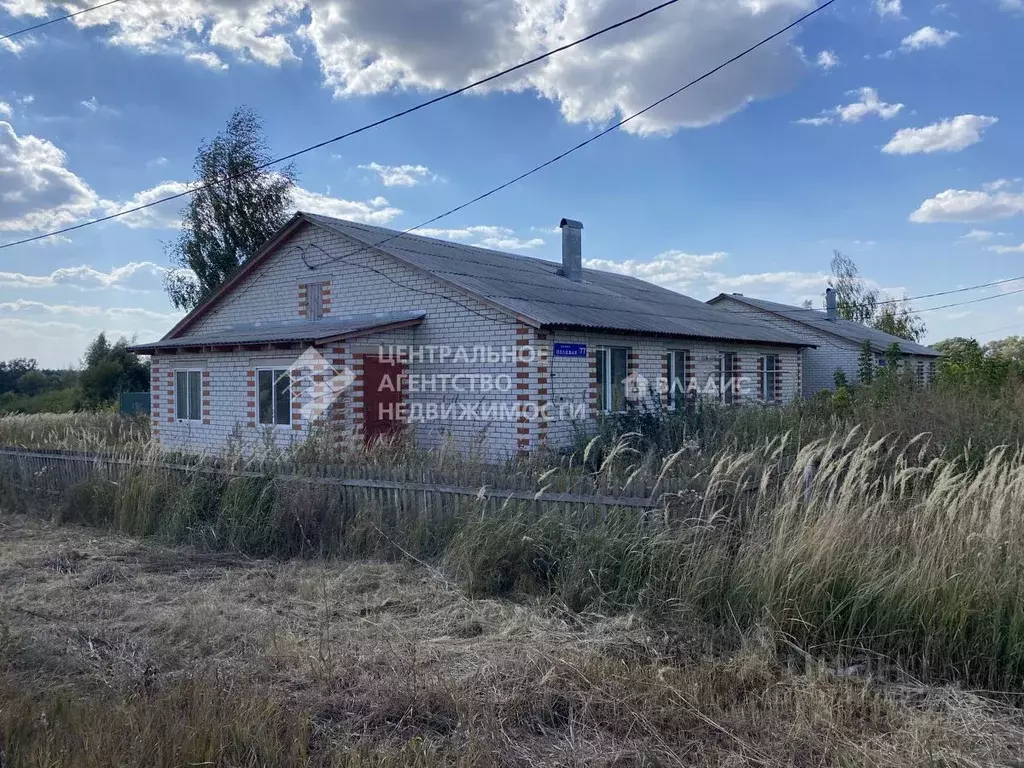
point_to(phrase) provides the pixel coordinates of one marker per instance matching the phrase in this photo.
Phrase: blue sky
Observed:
(889, 130)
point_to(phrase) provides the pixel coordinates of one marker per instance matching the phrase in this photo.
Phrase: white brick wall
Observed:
(573, 378)
(362, 281)
(832, 353)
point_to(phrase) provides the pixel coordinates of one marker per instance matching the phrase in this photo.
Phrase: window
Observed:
(612, 364)
(727, 377)
(188, 395)
(931, 372)
(920, 373)
(314, 301)
(275, 393)
(769, 377)
(675, 365)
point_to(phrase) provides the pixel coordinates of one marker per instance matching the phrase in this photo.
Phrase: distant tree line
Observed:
(107, 370)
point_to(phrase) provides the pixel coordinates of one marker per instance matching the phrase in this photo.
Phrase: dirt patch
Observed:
(391, 663)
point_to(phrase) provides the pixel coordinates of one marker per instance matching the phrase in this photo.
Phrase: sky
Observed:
(886, 129)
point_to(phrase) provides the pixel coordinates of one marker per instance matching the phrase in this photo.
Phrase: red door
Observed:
(382, 397)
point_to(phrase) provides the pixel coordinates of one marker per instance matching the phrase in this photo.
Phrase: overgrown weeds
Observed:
(852, 544)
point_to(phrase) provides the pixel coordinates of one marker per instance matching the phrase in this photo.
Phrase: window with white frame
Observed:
(769, 377)
(315, 301)
(188, 395)
(612, 369)
(675, 367)
(727, 385)
(274, 388)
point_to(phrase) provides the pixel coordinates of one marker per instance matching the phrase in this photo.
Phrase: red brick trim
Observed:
(250, 397)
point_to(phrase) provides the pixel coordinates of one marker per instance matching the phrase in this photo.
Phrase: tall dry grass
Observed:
(81, 431)
(885, 553)
(855, 545)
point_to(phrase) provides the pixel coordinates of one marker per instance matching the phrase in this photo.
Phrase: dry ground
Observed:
(116, 651)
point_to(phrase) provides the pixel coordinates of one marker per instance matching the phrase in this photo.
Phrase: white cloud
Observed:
(961, 205)
(889, 7)
(1007, 248)
(56, 343)
(815, 121)
(701, 273)
(91, 104)
(484, 236)
(37, 190)
(399, 175)
(117, 314)
(374, 211)
(373, 47)
(998, 184)
(162, 216)
(134, 276)
(951, 135)
(1012, 5)
(672, 269)
(827, 60)
(273, 50)
(981, 235)
(5, 109)
(868, 103)
(207, 59)
(927, 37)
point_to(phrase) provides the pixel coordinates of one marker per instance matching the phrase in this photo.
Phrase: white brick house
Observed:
(489, 351)
(837, 343)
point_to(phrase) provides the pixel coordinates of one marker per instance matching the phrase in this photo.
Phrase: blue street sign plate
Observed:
(570, 350)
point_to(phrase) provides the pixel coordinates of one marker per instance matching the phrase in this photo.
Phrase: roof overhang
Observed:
(315, 333)
(680, 336)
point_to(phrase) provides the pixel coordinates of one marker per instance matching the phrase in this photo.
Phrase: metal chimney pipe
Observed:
(572, 249)
(830, 304)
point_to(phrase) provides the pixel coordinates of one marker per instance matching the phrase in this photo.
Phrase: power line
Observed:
(593, 138)
(623, 122)
(348, 134)
(972, 301)
(48, 22)
(797, 311)
(950, 292)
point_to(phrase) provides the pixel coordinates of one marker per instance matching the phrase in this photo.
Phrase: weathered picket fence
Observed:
(419, 491)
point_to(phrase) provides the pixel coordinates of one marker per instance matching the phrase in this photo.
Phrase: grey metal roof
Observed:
(534, 289)
(288, 331)
(846, 329)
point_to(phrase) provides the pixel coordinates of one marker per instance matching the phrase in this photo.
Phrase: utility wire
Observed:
(582, 144)
(626, 120)
(48, 22)
(348, 134)
(603, 133)
(972, 301)
(798, 312)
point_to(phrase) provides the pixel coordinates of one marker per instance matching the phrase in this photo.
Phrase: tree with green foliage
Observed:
(965, 363)
(897, 318)
(11, 372)
(1010, 348)
(856, 301)
(242, 203)
(866, 363)
(111, 369)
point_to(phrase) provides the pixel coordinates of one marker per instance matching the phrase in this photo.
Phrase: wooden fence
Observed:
(53, 473)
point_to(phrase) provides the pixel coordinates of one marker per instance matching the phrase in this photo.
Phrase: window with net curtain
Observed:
(275, 396)
(612, 369)
(188, 395)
